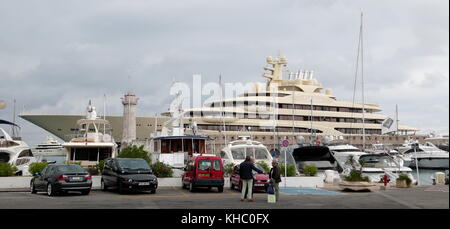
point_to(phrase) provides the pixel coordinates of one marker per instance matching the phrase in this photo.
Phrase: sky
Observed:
(56, 55)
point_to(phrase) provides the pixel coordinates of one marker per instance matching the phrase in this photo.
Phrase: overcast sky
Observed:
(56, 55)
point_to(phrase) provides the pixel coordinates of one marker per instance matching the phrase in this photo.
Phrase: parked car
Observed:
(203, 171)
(128, 174)
(260, 182)
(61, 178)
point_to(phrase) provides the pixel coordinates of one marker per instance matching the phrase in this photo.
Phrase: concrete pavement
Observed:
(430, 197)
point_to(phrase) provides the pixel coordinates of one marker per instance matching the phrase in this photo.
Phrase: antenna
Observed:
(14, 118)
(221, 108)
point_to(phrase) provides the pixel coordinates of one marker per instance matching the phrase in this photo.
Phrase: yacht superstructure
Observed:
(93, 142)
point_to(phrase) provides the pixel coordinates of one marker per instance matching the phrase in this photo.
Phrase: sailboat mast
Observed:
(311, 119)
(362, 83)
(13, 128)
(396, 118)
(222, 109)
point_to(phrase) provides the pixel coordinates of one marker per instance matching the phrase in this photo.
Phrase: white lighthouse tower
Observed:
(129, 102)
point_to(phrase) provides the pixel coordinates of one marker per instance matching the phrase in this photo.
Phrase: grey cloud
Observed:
(58, 54)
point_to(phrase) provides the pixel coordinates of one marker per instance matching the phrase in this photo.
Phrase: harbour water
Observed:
(425, 175)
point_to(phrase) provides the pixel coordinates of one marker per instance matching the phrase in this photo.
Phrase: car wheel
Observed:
(32, 188)
(191, 187)
(220, 188)
(103, 185)
(50, 190)
(85, 192)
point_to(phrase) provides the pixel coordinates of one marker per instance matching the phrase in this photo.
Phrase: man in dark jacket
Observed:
(275, 178)
(246, 175)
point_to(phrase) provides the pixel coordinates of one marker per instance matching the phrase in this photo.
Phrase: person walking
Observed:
(246, 175)
(275, 178)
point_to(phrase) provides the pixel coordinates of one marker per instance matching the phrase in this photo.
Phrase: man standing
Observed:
(275, 178)
(246, 174)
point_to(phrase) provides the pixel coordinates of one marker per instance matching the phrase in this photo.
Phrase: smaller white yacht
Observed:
(15, 151)
(428, 155)
(375, 166)
(380, 148)
(236, 151)
(50, 150)
(94, 141)
(342, 152)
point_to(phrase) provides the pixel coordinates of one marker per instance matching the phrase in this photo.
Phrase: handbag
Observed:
(270, 189)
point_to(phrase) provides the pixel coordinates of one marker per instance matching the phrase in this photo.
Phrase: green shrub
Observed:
(73, 163)
(135, 152)
(7, 169)
(100, 166)
(406, 178)
(290, 170)
(228, 169)
(264, 165)
(310, 170)
(36, 167)
(162, 170)
(92, 170)
(356, 175)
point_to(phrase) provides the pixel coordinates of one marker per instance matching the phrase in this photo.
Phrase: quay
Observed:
(418, 197)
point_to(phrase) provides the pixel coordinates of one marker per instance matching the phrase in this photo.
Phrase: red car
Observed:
(260, 183)
(203, 171)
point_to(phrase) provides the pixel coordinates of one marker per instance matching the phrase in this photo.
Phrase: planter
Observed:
(401, 184)
(356, 185)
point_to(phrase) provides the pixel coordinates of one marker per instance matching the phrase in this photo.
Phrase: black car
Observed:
(128, 174)
(61, 178)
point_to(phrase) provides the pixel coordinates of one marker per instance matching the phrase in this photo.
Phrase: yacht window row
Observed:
(282, 117)
(289, 106)
(255, 128)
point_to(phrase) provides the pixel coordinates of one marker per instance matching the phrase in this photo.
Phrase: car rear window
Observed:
(70, 169)
(134, 164)
(204, 164)
(216, 166)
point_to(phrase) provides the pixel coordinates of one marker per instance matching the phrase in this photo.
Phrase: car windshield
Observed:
(134, 164)
(260, 153)
(70, 169)
(238, 154)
